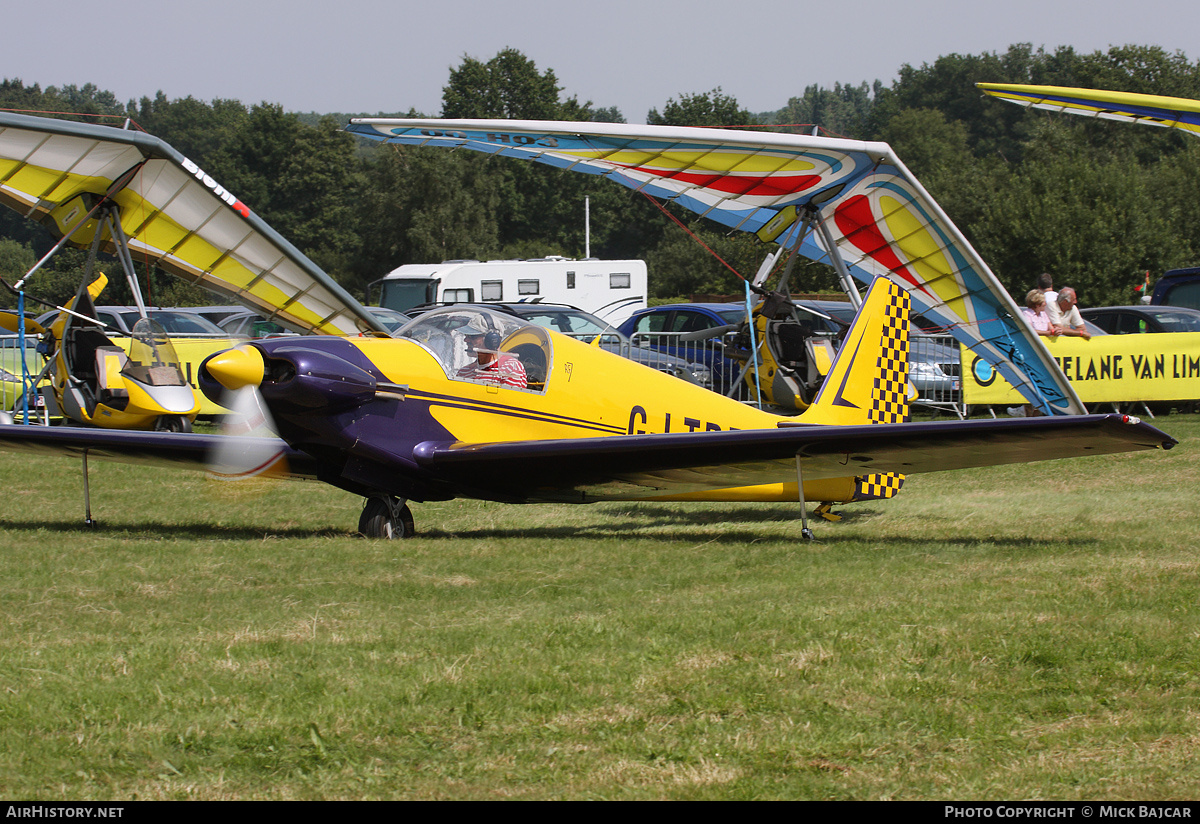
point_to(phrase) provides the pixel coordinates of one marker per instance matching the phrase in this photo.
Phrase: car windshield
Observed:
(390, 318)
(573, 323)
(176, 323)
(1173, 321)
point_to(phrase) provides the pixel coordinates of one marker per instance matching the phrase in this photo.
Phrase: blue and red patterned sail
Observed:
(877, 217)
(1150, 109)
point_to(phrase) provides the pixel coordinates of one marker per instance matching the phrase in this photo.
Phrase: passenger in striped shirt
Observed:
(490, 363)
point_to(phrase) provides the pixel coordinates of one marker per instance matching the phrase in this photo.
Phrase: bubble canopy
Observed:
(445, 334)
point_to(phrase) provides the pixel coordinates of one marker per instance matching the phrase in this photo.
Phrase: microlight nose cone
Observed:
(237, 368)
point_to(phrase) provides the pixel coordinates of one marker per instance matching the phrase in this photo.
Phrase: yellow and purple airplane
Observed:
(467, 402)
(413, 418)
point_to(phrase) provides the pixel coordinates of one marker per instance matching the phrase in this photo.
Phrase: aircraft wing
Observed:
(875, 215)
(159, 449)
(1169, 112)
(639, 466)
(174, 214)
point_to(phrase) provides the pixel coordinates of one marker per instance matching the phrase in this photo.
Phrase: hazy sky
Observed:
(389, 55)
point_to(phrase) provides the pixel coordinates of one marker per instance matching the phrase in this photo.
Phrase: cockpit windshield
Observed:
(152, 358)
(482, 346)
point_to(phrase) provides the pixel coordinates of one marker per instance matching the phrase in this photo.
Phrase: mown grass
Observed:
(1020, 632)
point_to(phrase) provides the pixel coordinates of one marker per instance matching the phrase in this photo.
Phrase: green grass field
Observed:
(1014, 633)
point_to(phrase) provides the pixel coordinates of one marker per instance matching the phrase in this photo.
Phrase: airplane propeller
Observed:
(252, 452)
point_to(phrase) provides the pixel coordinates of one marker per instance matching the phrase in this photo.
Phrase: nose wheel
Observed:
(385, 516)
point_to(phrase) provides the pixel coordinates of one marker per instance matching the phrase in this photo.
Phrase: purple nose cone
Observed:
(305, 378)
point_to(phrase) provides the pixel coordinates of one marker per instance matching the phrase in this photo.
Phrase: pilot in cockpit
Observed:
(490, 363)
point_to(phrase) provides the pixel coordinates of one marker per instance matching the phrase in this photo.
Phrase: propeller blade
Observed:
(246, 452)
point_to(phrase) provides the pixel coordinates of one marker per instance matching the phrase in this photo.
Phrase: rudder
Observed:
(868, 382)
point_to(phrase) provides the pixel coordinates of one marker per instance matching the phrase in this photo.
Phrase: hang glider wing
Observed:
(863, 202)
(174, 214)
(640, 466)
(1169, 112)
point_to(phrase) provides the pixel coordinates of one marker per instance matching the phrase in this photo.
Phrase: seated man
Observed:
(490, 363)
(1065, 314)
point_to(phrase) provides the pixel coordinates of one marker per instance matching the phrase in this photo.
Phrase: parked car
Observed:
(120, 321)
(661, 327)
(1178, 287)
(11, 386)
(576, 323)
(247, 324)
(253, 325)
(1132, 320)
(214, 314)
(390, 318)
(934, 365)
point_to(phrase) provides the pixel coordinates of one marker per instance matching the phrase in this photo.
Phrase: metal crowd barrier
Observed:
(935, 368)
(935, 372)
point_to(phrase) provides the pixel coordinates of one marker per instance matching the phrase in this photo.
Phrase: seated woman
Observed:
(1039, 319)
(1035, 313)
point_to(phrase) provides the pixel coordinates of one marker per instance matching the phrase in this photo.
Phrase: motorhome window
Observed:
(570, 280)
(404, 294)
(528, 287)
(618, 280)
(491, 290)
(458, 295)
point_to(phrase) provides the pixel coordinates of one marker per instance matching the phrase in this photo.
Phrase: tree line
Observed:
(1096, 204)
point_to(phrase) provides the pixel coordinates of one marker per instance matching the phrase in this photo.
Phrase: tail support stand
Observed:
(87, 497)
(805, 532)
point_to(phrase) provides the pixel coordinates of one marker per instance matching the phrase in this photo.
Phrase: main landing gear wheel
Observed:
(386, 517)
(172, 423)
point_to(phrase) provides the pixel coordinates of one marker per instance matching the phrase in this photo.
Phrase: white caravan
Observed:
(610, 289)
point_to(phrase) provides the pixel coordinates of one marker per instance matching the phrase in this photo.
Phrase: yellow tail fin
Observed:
(868, 382)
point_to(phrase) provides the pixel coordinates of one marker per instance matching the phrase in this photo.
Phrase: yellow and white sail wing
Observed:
(1130, 107)
(174, 214)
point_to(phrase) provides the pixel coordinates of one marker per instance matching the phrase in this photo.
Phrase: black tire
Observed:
(172, 423)
(377, 521)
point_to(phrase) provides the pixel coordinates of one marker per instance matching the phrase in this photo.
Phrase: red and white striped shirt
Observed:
(505, 370)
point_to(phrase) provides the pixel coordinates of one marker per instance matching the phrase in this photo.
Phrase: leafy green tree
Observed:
(508, 86)
(842, 110)
(704, 109)
(425, 206)
(539, 211)
(1094, 224)
(201, 131)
